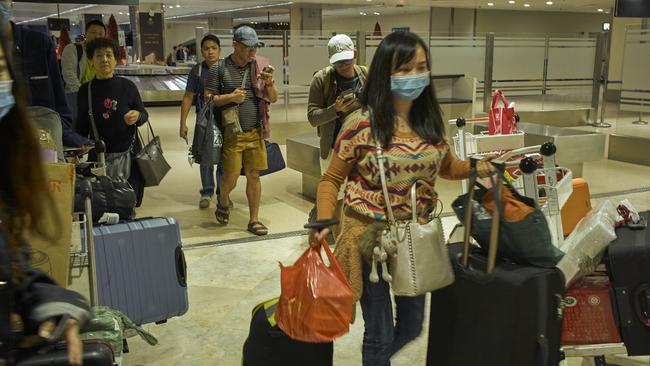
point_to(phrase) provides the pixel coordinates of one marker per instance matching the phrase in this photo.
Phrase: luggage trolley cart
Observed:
(83, 255)
(467, 144)
(555, 187)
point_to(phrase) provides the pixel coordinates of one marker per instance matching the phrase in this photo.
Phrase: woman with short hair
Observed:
(117, 109)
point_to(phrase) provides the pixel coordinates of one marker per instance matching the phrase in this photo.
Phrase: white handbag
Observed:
(417, 254)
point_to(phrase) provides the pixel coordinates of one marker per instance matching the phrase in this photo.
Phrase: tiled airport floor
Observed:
(230, 271)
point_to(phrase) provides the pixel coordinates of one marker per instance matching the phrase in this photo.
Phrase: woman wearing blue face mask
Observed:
(404, 117)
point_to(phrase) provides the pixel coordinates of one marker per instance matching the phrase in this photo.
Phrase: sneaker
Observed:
(205, 202)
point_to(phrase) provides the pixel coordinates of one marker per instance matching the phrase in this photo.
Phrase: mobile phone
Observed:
(266, 69)
(347, 94)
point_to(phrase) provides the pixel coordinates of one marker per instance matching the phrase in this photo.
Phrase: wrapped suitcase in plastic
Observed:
(628, 264)
(496, 312)
(141, 270)
(268, 345)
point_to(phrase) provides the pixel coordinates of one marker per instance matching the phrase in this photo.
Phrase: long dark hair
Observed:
(23, 188)
(398, 48)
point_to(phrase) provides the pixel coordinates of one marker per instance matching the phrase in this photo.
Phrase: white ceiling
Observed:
(247, 9)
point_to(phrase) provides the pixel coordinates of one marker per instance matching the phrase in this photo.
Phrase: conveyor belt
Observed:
(158, 85)
(160, 89)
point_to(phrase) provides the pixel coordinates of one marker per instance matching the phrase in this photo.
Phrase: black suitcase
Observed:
(628, 264)
(503, 314)
(268, 345)
(95, 353)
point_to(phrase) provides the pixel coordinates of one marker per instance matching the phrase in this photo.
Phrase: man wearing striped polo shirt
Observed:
(240, 82)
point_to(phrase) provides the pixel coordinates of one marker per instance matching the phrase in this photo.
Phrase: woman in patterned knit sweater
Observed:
(407, 123)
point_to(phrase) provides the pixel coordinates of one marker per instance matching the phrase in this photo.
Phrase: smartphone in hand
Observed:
(347, 95)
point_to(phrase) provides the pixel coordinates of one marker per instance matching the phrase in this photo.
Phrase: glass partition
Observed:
(541, 71)
(634, 106)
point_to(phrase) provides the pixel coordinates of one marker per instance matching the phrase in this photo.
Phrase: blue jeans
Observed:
(208, 178)
(384, 336)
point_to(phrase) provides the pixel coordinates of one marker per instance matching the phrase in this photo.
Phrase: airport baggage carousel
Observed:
(158, 85)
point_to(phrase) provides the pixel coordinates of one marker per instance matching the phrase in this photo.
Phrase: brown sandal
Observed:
(257, 228)
(222, 214)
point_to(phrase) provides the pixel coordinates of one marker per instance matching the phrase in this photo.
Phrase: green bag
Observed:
(112, 326)
(527, 241)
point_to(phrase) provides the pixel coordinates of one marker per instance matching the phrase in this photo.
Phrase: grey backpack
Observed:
(46, 118)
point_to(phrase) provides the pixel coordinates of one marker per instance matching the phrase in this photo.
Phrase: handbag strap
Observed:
(244, 77)
(414, 199)
(496, 217)
(153, 134)
(498, 95)
(379, 153)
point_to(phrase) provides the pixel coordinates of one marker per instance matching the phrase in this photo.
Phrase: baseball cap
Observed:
(340, 48)
(247, 36)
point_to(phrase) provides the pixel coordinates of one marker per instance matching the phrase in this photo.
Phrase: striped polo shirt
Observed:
(249, 114)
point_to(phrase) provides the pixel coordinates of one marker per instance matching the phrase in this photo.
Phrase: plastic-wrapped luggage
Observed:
(586, 244)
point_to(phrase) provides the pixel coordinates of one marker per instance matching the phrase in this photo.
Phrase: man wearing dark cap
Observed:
(194, 92)
(242, 85)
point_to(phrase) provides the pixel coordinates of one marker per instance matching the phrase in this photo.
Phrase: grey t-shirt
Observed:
(249, 115)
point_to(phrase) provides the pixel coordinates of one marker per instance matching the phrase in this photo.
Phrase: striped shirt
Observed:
(249, 115)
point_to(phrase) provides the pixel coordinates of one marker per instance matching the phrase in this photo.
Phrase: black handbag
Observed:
(207, 142)
(150, 160)
(108, 196)
(274, 160)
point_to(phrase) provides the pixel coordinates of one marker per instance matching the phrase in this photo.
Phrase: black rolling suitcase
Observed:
(268, 345)
(496, 313)
(95, 353)
(628, 264)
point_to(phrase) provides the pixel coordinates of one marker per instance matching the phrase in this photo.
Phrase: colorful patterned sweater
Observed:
(407, 160)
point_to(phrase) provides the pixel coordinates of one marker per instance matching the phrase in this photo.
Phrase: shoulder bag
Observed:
(418, 258)
(150, 160)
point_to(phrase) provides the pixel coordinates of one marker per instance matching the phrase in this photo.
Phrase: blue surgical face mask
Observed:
(409, 87)
(5, 12)
(6, 97)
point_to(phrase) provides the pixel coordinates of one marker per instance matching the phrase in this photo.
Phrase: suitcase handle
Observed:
(642, 310)
(181, 267)
(496, 216)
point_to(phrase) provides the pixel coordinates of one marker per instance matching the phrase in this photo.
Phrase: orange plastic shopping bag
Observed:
(316, 303)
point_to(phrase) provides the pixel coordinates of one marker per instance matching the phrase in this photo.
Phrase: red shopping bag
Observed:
(316, 303)
(502, 117)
